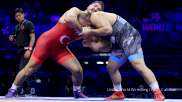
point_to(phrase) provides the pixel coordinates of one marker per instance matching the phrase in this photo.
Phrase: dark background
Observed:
(160, 25)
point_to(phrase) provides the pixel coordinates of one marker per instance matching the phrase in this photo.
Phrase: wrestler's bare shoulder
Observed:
(70, 15)
(101, 13)
(111, 17)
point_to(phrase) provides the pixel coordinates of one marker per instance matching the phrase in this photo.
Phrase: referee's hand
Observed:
(27, 54)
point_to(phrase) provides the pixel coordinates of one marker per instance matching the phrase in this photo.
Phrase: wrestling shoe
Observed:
(117, 95)
(78, 94)
(158, 96)
(11, 93)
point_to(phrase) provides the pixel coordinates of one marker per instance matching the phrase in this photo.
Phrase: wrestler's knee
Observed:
(136, 63)
(77, 70)
(139, 65)
(109, 67)
(113, 66)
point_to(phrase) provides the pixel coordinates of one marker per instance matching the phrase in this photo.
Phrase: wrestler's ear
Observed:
(85, 43)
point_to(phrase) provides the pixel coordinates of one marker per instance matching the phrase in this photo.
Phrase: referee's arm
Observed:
(32, 35)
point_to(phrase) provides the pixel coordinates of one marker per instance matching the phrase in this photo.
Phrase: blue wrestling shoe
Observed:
(11, 93)
(78, 94)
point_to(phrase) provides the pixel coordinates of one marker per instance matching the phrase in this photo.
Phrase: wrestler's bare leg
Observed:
(23, 74)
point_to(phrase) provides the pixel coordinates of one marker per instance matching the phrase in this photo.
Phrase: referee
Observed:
(24, 38)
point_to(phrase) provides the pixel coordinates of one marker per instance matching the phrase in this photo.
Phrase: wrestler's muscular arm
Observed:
(103, 26)
(88, 39)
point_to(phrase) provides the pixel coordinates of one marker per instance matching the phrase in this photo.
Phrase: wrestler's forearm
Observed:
(101, 31)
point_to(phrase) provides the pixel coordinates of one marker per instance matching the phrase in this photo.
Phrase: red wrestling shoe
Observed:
(158, 96)
(117, 95)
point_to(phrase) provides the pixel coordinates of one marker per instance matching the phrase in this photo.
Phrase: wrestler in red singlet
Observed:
(53, 44)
